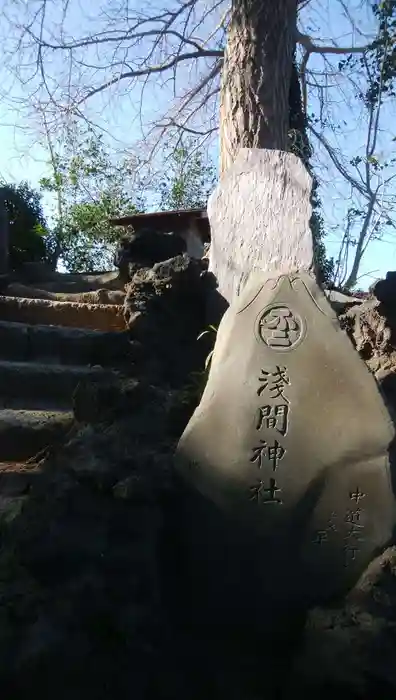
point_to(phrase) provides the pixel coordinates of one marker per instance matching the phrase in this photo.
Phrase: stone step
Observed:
(21, 342)
(34, 403)
(24, 433)
(48, 384)
(101, 317)
(98, 296)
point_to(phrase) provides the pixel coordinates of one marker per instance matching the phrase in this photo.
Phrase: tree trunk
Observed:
(254, 110)
(4, 234)
(361, 246)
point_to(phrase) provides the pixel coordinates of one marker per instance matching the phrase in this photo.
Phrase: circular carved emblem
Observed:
(280, 328)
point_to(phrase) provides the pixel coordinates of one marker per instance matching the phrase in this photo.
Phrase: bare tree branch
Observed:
(306, 41)
(337, 162)
(163, 60)
(150, 70)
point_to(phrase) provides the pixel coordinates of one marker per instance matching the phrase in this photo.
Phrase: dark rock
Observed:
(372, 329)
(133, 488)
(165, 311)
(94, 401)
(385, 290)
(340, 301)
(32, 272)
(4, 282)
(349, 648)
(147, 248)
(80, 584)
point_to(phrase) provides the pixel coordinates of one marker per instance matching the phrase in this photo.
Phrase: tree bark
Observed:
(4, 235)
(254, 109)
(361, 246)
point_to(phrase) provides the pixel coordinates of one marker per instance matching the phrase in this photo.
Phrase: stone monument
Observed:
(286, 461)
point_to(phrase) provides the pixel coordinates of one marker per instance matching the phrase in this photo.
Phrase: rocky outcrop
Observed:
(145, 249)
(80, 570)
(348, 649)
(165, 311)
(371, 326)
(24, 433)
(87, 571)
(92, 599)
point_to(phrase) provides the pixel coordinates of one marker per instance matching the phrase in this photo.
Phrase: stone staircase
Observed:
(46, 349)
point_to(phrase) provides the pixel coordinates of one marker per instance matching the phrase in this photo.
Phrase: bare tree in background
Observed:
(372, 195)
(178, 48)
(210, 61)
(363, 82)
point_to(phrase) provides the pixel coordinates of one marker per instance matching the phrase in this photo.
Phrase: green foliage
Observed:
(90, 187)
(210, 330)
(376, 68)
(301, 147)
(189, 179)
(197, 380)
(27, 226)
(382, 56)
(323, 264)
(379, 61)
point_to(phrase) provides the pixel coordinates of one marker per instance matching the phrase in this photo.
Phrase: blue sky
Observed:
(23, 156)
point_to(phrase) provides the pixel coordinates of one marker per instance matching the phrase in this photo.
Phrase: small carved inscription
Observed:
(273, 417)
(275, 382)
(356, 495)
(353, 516)
(354, 533)
(272, 453)
(350, 553)
(322, 536)
(355, 528)
(280, 328)
(352, 528)
(270, 417)
(267, 494)
(331, 526)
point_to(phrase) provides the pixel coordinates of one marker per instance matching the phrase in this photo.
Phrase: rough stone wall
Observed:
(165, 310)
(91, 584)
(84, 564)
